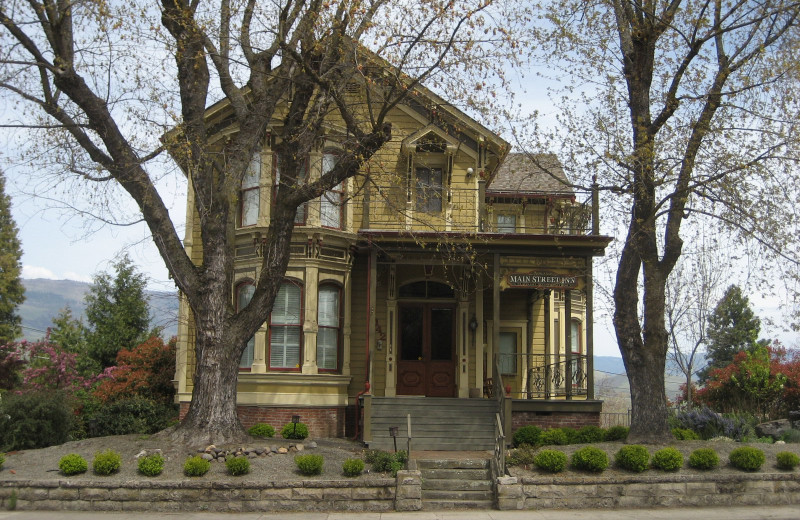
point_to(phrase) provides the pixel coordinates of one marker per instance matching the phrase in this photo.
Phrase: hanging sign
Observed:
(542, 280)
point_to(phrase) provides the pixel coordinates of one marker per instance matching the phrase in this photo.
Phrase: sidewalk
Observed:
(717, 513)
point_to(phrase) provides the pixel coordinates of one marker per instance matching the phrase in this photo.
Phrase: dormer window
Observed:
(429, 189)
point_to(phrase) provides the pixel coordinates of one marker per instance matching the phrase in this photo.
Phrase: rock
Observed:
(300, 447)
(207, 456)
(273, 449)
(312, 444)
(283, 450)
(293, 449)
(794, 418)
(210, 448)
(773, 429)
(141, 454)
(780, 442)
(259, 451)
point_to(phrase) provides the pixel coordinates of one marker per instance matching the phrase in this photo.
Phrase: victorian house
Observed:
(452, 280)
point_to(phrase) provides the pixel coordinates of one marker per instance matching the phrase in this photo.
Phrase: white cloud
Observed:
(32, 271)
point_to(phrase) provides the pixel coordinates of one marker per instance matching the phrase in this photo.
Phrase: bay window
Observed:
(328, 331)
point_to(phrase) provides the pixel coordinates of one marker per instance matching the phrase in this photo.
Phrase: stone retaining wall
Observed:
(648, 491)
(174, 496)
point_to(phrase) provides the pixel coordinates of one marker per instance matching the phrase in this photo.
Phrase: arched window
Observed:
(244, 292)
(286, 328)
(330, 204)
(328, 332)
(249, 193)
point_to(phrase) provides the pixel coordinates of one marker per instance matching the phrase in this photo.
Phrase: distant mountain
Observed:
(44, 299)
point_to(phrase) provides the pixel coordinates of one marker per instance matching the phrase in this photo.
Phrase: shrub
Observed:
(556, 436)
(527, 435)
(309, 464)
(35, 419)
(709, 424)
(684, 434)
(2, 460)
(590, 434)
(591, 459)
(134, 415)
(352, 467)
(395, 466)
(747, 458)
(401, 456)
(791, 436)
(787, 460)
(145, 371)
(704, 458)
(261, 430)
(151, 465)
(571, 434)
(72, 464)
(633, 457)
(370, 455)
(616, 433)
(196, 466)
(299, 432)
(553, 461)
(238, 465)
(106, 462)
(522, 456)
(667, 459)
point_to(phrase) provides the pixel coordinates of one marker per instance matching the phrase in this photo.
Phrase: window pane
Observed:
(243, 295)
(441, 334)
(507, 359)
(286, 310)
(327, 348)
(328, 307)
(253, 173)
(506, 223)
(250, 201)
(410, 333)
(429, 190)
(284, 349)
(330, 208)
(576, 336)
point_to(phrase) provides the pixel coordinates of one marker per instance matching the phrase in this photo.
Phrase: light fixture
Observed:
(295, 420)
(470, 172)
(473, 324)
(393, 430)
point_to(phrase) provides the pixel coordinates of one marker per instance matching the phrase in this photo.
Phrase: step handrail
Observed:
(499, 446)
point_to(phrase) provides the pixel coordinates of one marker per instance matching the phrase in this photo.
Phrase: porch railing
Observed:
(545, 376)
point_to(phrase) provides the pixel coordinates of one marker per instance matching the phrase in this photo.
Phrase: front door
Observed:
(427, 340)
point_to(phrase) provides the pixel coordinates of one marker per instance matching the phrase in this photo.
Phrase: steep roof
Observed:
(530, 174)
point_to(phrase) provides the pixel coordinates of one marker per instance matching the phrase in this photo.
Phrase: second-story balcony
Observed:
(468, 210)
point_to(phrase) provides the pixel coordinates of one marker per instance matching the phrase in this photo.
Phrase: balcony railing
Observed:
(462, 210)
(545, 377)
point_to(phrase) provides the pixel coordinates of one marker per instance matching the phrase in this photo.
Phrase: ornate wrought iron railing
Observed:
(546, 376)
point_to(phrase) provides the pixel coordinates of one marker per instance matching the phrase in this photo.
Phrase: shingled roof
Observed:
(529, 174)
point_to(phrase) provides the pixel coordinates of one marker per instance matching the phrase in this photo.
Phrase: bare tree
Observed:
(683, 109)
(104, 89)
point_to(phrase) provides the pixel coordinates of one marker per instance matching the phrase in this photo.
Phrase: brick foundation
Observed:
(547, 420)
(321, 421)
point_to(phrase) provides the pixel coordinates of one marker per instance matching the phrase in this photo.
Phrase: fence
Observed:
(609, 419)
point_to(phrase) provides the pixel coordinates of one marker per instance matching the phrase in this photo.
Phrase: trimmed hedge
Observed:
(309, 464)
(747, 458)
(787, 460)
(634, 457)
(72, 464)
(106, 462)
(704, 459)
(553, 461)
(151, 465)
(591, 459)
(352, 467)
(530, 435)
(667, 459)
(196, 466)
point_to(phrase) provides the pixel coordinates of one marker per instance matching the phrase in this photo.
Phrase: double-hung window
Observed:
(286, 328)
(249, 193)
(330, 204)
(244, 292)
(429, 190)
(507, 359)
(328, 327)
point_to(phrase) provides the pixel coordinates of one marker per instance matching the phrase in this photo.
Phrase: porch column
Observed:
(259, 365)
(478, 334)
(391, 334)
(462, 350)
(310, 320)
(568, 342)
(548, 347)
(589, 327)
(495, 311)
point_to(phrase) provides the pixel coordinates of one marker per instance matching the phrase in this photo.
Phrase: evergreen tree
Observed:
(12, 292)
(732, 328)
(70, 334)
(117, 312)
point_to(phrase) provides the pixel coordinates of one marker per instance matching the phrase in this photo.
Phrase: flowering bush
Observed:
(144, 371)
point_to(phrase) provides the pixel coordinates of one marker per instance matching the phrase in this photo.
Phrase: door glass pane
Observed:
(508, 348)
(410, 333)
(441, 334)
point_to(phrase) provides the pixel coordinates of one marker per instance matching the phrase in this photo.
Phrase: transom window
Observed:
(249, 194)
(244, 292)
(328, 332)
(286, 328)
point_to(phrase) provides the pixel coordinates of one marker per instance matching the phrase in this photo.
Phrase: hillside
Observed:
(44, 299)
